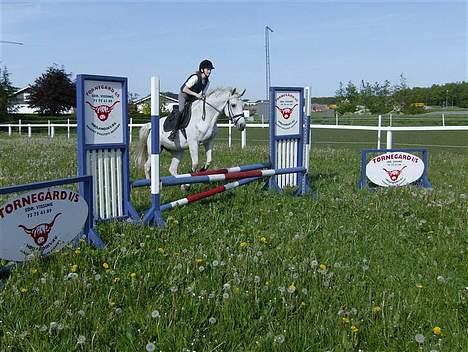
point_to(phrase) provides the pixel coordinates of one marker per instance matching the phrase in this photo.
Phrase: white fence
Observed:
(20, 127)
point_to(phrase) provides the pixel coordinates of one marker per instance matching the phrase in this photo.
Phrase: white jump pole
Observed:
(29, 130)
(443, 119)
(9, 129)
(229, 134)
(244, 138)
(19, 127)
(153, 216)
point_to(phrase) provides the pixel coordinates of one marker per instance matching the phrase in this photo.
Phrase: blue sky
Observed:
(314, 43)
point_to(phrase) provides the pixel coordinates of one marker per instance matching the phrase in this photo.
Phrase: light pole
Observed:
(446, 99)
(9, 42)
(267, 60)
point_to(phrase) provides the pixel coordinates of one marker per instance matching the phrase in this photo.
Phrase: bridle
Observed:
(233, 118)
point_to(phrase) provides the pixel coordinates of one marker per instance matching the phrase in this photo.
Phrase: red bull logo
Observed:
(394, 174)
(40, 233)
(286, 112)
(102, 111)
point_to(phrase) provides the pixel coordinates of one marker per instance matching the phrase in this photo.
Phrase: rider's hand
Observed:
(199, 95)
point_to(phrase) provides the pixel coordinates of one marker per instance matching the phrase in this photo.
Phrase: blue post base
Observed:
(153, 217)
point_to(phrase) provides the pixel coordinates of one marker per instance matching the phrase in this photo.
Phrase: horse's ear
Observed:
(233, 91)
(242, 93)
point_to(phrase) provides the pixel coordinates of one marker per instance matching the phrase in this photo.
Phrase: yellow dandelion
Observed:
(74, 268)
(244, 244)
(264, 240)
(236, 290)
(303, 304)
(33, 270)
(105, 265)
(133, 275)
(267, 283)
(376, 309)
(345, 320)
(354, 329)
(436, 330)
(23, 290)
(161, 250)
(115, 280)
(199, 261)
(77, 251)
(418, 285)
(323, 266)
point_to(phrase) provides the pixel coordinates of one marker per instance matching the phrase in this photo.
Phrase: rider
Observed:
(194, 87)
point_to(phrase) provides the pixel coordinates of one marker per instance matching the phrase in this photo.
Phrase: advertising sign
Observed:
(394, 169)
(42, 221)
(287, 113)
(103, 102)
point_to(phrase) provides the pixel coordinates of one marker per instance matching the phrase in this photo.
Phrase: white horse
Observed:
(200, 130)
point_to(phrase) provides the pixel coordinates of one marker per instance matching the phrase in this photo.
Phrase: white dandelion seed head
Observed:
(226, 286)
(81, 340)
(72, 276)
(211, 296)
(53, 325)
(291, 289)
(212, 320)
(173, 289)
(201, 268)
(81, 312)
(118, 310)
(150, 347)
(189, 289)
(155, 314)
(279, 339)
(304, 291)
(420, 338)
(441, 279)
(314, 263)
(225, 295)
(215, 263)
(97, 277)
(281, 289)
(257, 279)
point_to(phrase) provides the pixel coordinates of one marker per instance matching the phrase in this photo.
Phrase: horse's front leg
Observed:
(209, 154)
(193, 148)
(176, 158)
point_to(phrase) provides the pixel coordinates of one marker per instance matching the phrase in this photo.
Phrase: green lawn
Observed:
(252, 270)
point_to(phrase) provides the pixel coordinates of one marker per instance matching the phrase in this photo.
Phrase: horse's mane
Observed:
(219, 92)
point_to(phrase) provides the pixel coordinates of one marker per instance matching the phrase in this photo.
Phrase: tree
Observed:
(347, 98)
(6, 94)
(53, 92)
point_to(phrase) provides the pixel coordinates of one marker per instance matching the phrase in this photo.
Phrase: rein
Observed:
(232, 117)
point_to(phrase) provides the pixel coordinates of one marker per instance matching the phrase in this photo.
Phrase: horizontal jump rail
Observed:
(147, 182)
(174, 181)
(205, 194)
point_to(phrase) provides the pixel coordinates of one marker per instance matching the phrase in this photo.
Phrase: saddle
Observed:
(178, 120)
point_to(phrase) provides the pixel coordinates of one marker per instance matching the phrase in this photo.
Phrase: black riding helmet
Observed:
(206, 64)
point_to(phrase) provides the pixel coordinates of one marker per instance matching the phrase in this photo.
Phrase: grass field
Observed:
(252, 270)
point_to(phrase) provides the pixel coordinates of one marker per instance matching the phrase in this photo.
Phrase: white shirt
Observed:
(193, 80)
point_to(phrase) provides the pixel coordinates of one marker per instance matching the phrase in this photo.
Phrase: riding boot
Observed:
(173, 135)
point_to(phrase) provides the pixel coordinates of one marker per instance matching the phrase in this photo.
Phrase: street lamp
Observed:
(267, 60)
(10, 42)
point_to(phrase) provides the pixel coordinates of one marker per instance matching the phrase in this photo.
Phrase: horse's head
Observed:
(234, 109)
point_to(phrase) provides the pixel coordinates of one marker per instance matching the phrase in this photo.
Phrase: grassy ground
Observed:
(252, 270)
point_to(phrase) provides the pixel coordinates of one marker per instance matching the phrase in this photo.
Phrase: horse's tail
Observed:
(142, 152)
